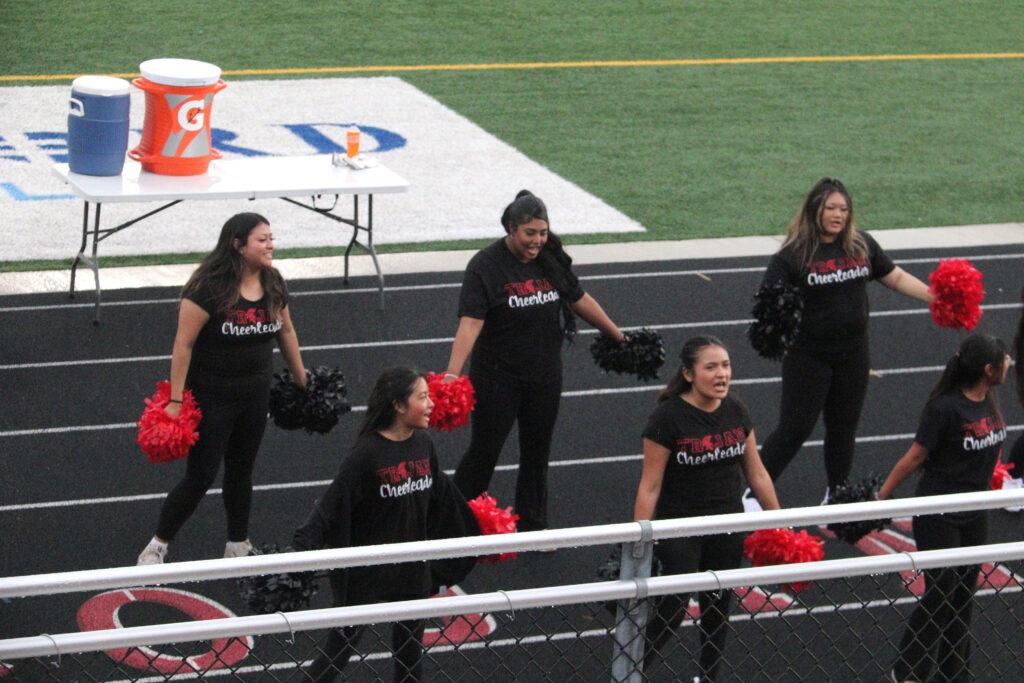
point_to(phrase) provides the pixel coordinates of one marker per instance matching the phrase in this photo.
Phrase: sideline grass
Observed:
(689, 151)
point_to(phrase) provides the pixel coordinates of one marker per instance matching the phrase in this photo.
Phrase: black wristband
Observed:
(174, 400)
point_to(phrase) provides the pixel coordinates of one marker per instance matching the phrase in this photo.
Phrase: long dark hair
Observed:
(967, 367)
(1018, 354)
(552, 259)
(804, 231)
(221, 270)
(393, 387)
(689, 355)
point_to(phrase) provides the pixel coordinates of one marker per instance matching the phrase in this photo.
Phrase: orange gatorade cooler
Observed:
(176, 130)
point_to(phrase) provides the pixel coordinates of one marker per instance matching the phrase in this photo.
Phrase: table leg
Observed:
(95, 262)
(373, 251)
(81, 249)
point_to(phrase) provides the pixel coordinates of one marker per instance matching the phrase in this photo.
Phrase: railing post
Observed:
(632, 615)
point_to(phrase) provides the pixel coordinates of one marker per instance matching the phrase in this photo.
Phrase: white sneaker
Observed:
(828, 495)
(152, 554)
(750, 504)
(237, 549)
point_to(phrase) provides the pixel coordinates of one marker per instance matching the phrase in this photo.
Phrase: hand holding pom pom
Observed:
(783, 546)
(277, 592)
(861, 492)
(493, 520)
(778, 308)
(1001, 474)
(642, 354)
(453, 401)
(163, 437)
(958, 292)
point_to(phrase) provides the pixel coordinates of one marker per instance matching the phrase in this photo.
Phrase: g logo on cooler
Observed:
(189, 120)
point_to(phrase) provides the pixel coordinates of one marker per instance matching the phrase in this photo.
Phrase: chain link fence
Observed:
(845, 629)
(847, 624)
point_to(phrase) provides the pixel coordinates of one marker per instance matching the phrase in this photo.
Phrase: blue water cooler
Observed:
(98, 125)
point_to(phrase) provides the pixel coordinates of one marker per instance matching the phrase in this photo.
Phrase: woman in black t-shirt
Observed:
(518, 302)
(233, 309)
(699, 446)
(827, 368)
(390, 489)
(957, 444)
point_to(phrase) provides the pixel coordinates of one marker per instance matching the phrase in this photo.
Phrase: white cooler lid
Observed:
(107, 86)
(180, 72)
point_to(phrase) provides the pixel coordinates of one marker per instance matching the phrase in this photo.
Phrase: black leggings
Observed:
(938, 629)
(812, 384)
(231, 430)
(499, 403)
(406, 644)
(685, 556)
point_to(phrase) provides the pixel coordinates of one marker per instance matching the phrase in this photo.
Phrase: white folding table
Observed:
(275, 177)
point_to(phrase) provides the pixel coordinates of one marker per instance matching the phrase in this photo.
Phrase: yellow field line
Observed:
(570, 65)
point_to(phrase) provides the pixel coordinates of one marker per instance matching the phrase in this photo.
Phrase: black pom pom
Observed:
(642, 355)
(325, 399)
(286, 401)
(277, 592)
(778, 308)
(315, 408)
(860, 492)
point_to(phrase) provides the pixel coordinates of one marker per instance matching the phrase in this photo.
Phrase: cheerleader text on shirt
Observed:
(712, 448)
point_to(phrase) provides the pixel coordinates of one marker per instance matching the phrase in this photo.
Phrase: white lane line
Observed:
(43, 431)
(449, 340)
(577, 462)
(702, 273)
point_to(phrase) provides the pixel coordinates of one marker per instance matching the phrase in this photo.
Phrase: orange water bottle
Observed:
(352, 141)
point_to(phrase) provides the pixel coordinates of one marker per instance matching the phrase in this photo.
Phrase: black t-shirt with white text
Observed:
(703, 473)
(383, 493)
(235, 347)
(833, 286)
(964, 439)
(522, 335)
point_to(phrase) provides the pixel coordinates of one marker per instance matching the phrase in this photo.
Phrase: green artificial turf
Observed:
(694, 150)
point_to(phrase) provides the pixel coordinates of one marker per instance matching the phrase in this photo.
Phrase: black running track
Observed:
(76, 493)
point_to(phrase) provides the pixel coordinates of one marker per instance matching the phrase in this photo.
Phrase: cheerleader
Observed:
(233, 309)
(519, 300)
(826, 371)
(699, 446)
(957, 444)
(390, 489)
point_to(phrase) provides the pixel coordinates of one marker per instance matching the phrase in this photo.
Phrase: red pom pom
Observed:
(453, 401)
(956, 285)
(493, 520)
(162, 437)
(1000, 474)
(783, 546)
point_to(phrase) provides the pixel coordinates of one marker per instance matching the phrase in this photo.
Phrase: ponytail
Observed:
(553, 261)
(967, 367)
(691, 352)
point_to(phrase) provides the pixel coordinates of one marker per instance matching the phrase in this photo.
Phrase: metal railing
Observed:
(553, 632)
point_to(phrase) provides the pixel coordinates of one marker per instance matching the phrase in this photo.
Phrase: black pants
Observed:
(834, 384)
(938, 629)
(231, 430)
(500, 402)
(685, 556)
(406, 644)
